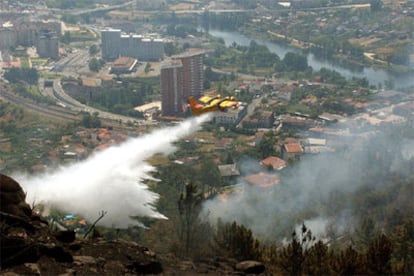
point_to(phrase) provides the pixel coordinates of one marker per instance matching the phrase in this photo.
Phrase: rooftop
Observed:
(262, 180)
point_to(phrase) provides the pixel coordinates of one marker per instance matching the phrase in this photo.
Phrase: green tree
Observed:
(94, 65)
(66, 37)
(292, 257)
(189, 207)
(93, 49)
(295, 62)
(235, 241)
(376, 5)
(28, 75)
(89, 121)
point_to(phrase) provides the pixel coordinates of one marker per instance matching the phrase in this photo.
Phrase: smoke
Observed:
(111, 180)
(318, 190)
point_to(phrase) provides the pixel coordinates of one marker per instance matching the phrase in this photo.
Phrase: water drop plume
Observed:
(111, 180)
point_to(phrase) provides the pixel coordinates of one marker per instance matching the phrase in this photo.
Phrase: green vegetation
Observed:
(31, 92)
(96, 64)
(123, 95)
(27, 139)
(91, 121)
(28, 75)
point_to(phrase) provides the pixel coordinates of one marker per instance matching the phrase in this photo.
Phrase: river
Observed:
(374, 76)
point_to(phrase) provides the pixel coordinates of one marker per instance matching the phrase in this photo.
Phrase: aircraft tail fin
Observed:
(194, 105)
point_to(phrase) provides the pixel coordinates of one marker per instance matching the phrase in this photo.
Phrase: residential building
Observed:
(43, 35)
(264, 119)
(273, 163)
(231, 116)
(291, 151)
(262, 180)
(116, 44)
(193, 72)
(181, 78)
(48, 44)
(123, 65)
(172, 88)
(229, 173)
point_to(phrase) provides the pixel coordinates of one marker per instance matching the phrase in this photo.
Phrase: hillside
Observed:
(30, 247)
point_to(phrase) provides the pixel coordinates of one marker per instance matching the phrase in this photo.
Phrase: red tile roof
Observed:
(293, 148)
(274, 162)
(262, 180)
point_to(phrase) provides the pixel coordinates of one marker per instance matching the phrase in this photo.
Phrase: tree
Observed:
(89, 121)
(66, 38)
(403, 242)
(209, 175)
(94, 65)
(348, 262)
(189, 207)
(295, 62)
(93, 49)
(292, 257)
(379, 256)
(376, 5)
(317, 260)
(235, 241)
(28, 75)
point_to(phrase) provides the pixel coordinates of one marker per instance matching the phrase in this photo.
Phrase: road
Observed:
(60, 95)
(47, 110)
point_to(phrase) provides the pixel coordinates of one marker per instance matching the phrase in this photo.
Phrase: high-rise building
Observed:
(181, 78)
(193, 73)
(48, 44)
(110, 39)
(172, 88)
(116, 44)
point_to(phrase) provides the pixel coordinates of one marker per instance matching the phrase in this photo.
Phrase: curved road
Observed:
(61, 96)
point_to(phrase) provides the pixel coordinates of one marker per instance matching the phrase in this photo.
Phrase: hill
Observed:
(30, 247)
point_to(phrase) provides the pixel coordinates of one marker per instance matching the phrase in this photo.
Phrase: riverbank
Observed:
(370, 59)
(392, 77)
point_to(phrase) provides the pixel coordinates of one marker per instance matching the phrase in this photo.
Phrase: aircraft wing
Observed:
(228, 103)
(205, 99)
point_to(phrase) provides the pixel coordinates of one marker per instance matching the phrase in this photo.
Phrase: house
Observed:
(123, 65)
(223, 144)
(264, 119)
(273, 163)
(228, 170)
(291, 151)
(298, 122)
(262, 180)
(316, 146)
(229, 173)
(231, 116)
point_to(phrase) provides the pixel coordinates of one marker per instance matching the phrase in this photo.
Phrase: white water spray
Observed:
(111, 180)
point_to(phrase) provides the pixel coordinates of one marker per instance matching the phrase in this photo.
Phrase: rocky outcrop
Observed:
(24, 237)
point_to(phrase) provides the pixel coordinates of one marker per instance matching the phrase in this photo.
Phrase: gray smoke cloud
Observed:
(311, 189)
(111, 180)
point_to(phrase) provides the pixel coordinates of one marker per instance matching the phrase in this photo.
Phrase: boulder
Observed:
(251, 267)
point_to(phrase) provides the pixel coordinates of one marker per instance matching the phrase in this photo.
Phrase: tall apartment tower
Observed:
(172, 88)
(48, 44)
(181, 78)
(193, 73)
(110, 39)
